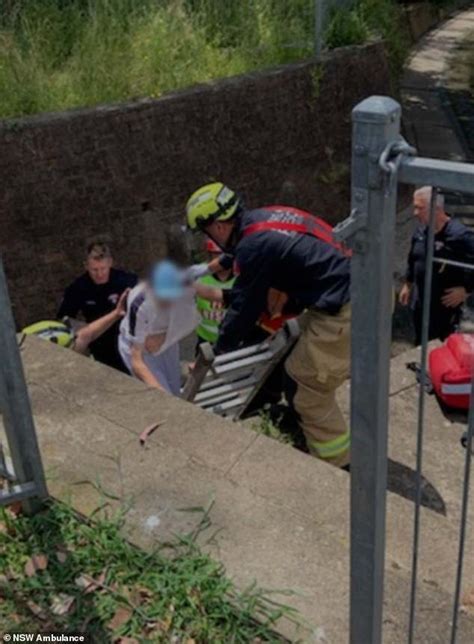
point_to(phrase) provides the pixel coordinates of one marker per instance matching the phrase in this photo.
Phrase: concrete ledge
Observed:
(281, 517)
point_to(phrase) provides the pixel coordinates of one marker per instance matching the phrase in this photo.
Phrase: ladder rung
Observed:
(225, 388)
(217, 400)
(245, 362)
(241, 353)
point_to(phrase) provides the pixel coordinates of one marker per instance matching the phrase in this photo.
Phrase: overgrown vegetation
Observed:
(370, 18)
(57, 54)
(58, 573)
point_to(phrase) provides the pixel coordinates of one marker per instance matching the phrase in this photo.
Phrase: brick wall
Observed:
(125, 171)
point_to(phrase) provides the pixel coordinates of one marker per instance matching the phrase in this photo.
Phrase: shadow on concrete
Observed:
(402, 481)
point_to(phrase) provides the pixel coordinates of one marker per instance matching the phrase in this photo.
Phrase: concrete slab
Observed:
(121, 399)
(281, 517)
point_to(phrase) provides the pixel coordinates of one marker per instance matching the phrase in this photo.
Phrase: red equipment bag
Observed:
(450, 368)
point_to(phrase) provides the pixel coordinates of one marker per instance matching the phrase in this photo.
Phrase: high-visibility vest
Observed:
(212, 313)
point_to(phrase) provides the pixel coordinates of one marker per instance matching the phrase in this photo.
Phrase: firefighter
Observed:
(450, 284)
(293, 252)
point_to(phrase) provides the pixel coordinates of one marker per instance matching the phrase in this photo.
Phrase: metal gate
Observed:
(24, 480)
(380, 160)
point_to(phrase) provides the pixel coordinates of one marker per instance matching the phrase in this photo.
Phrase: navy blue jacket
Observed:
(312, 272)
(455, 242)
(94, 301)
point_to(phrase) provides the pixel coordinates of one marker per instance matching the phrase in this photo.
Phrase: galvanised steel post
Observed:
(16, 409)
(376, 122)
(319, 25)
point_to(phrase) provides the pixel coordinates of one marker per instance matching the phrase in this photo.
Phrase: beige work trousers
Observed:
(319, 364)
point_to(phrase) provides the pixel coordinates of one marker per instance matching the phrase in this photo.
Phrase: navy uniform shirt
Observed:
(454, 241)
(312, 273)
(94, 301)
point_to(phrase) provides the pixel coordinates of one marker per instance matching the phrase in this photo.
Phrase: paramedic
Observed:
(96, 293)
(212, 313)
(291, 251)
(450, 284)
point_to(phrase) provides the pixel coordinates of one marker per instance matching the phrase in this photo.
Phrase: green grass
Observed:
(181, 596)
(59, 54)
(369, 18)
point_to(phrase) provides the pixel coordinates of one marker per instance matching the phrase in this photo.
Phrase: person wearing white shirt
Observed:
(161, 311)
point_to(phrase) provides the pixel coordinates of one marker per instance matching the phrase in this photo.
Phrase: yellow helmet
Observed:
(56, 332)
(212, 202)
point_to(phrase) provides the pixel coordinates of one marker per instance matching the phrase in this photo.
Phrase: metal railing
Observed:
(380, 160)
(25, 480)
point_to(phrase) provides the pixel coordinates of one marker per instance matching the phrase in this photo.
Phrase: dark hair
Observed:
(98, 249)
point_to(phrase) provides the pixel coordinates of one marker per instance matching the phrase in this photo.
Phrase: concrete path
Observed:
(282, 517)
(425, 117)
(429, 123)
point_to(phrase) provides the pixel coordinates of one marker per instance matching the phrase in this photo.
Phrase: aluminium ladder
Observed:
(227, 384)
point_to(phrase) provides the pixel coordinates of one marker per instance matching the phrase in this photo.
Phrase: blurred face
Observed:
(99, 269)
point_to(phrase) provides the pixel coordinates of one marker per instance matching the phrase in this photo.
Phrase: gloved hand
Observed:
(196, 271)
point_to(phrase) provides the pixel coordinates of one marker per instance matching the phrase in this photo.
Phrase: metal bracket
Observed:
(391, 158)
(346, 231)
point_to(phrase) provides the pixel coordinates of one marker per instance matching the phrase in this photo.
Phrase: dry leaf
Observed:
(88, 584)
(121, 617)
(138, 595)
(127, 640)
(37, 610)
(62, 604)
(148, 431)
(34, 564)
(61, 557)
(15, 509)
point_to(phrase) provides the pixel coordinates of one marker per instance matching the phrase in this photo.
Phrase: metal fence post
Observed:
(319, 26)
(376, 122)
(16, 410)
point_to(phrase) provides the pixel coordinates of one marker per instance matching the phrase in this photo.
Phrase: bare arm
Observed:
(141, 371)
(92, 331)
(210, 293)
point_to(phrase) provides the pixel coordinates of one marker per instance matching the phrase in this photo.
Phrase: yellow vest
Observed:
(212, 313)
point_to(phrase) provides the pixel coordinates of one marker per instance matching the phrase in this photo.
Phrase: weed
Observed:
(268, 427)
(93, 581)
(382, 18)
(317, 75)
